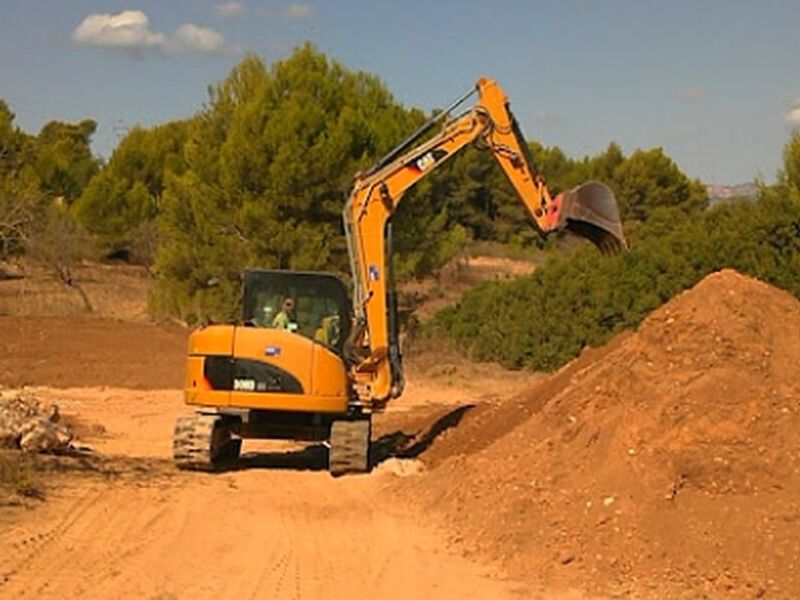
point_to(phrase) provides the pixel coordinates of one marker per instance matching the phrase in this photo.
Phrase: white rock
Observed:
(401, 467)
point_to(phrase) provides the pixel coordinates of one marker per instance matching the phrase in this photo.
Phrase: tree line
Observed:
(544, 320)
(258, 177)
(41, 177)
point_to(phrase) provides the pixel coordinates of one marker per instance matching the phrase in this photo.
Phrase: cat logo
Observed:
(427, 160)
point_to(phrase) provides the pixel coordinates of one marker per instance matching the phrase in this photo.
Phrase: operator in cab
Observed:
(285, 318)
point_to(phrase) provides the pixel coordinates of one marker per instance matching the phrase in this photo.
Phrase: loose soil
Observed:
(666, 464)
(86, 352)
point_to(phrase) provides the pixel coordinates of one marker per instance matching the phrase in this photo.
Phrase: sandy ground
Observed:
(280, 527)
(247, 535)
(125, 523)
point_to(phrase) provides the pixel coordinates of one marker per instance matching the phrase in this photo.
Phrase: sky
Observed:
(716, 83)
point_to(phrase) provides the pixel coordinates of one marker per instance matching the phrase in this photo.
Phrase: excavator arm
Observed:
(589, 210)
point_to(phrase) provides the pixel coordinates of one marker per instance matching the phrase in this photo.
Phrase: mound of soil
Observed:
(665, 464)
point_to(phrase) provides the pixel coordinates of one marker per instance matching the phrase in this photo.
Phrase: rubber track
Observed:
(349, 451)
(192, 445)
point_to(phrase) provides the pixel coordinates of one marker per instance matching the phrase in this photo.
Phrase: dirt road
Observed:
(251, 534)
(278, 528)
(152, 532)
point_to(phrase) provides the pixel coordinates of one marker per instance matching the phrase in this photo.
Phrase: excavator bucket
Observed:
(590, 210)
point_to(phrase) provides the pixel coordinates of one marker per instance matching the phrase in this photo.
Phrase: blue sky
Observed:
(716, 83)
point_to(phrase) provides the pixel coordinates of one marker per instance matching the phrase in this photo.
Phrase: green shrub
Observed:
(544, 320)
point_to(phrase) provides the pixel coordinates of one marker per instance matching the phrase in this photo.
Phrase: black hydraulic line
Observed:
(425, 128)
(395, 355)
(526, 149)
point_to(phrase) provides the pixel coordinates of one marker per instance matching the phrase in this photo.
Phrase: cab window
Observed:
(308, 304)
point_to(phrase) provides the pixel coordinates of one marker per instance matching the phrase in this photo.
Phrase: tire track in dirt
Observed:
(30, 544)
(252, 534)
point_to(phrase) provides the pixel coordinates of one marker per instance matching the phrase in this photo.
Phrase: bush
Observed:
(543, 321)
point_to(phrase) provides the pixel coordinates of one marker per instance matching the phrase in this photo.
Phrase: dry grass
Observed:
(19, 478)
(428, 296)
(116, 291)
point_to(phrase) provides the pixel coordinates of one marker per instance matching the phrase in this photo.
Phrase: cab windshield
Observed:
(314, 305)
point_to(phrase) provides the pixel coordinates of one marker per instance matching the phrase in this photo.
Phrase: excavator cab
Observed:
(319, 307)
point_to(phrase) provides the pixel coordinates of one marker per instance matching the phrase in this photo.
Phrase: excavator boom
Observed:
(589, 210)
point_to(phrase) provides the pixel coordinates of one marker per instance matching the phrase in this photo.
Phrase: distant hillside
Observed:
(724, 193)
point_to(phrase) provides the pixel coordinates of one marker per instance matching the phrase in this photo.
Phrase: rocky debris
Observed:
(29, 425)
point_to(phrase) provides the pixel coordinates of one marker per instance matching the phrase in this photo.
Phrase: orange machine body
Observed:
(243, 367)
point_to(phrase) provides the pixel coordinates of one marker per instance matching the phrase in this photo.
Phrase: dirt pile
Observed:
(666, 463)
(29, 425)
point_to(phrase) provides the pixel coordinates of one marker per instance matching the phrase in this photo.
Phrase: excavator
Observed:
(308, 361)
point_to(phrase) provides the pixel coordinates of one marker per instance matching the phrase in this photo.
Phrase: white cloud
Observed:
(793, 116)
(192, 38)
(298, 11)
(130, 30)
(229, 10)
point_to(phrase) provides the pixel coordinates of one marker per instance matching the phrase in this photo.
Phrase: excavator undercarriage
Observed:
(211, 441)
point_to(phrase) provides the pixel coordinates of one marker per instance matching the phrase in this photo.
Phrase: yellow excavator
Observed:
(307, 362)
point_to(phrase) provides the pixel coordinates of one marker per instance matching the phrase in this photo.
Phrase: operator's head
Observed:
(288, 305)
